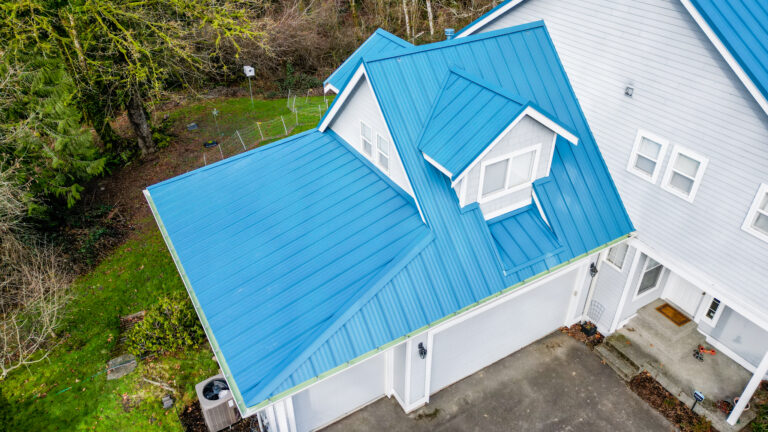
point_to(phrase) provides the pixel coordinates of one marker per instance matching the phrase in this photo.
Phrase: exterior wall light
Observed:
(628, 91)
(422, 351)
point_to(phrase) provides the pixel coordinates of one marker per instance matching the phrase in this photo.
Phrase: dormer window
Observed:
(366, 138)
(509, 173)
(382, 146)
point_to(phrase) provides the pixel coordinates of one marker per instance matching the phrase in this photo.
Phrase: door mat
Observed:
(673, 314)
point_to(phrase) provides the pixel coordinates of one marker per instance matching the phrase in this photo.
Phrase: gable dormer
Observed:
(490, 143)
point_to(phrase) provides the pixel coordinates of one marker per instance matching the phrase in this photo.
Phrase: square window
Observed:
(521, 168)
(651, 276)
(647, 155)
(617, 254)
(382, 145)
(684, 173)
(494, 177)
(366, 137)
(756, 222)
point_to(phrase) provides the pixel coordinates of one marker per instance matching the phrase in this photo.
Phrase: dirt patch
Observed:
(580, 333)
(192, 420)
(681, 415)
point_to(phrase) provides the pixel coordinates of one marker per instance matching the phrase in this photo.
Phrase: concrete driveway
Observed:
(555, 384)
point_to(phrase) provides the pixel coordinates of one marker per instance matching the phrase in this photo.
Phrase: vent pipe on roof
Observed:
(449, 32)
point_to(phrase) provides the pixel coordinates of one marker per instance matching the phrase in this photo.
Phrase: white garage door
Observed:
(465, 348)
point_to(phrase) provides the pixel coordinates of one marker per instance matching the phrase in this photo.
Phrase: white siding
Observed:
(526, 133)
(685, 92)
(464, 348)
(361, 106)
(340, 395)
(739, 335)
(608, 288)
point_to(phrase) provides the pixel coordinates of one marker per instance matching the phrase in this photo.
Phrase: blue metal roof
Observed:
(468, 115)
(275, 242)
(742, 26)
(466, 118)
(379, 43)
(303, 258)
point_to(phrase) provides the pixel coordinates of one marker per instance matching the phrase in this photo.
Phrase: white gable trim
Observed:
(437, 165)
(534, 114)
(342, 98)
(751, 87)
(489, 18)
(330, 87)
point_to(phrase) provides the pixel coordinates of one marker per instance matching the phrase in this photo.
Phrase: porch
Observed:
(652, 341)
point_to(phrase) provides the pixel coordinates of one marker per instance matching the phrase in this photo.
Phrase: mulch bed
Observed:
(191, 418)
(681, 415)
(575, 331)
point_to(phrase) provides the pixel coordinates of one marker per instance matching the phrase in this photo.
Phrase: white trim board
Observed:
(532, 113)
(488, 18)
(721, 48)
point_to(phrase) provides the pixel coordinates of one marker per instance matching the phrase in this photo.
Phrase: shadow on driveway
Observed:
(554, 384)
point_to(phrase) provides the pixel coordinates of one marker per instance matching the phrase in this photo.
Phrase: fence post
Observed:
(241, 139)
(258, 124)
(296, 113)
(306, 99)
(220, 151)
(294, 102)
(205, 162)
(284, 128)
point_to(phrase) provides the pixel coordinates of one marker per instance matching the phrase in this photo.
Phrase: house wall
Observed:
(339, 395)
(608, 288)
(361, 106)
(739, 335)
(685, 92)
(464, 348)
(398, 371)
(526, 133)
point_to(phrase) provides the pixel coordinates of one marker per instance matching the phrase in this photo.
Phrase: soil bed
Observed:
(681, 415)
(575, 331)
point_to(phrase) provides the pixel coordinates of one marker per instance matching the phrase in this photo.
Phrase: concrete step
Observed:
(617, 361)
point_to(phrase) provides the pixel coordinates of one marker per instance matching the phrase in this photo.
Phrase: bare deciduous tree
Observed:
(33, 285)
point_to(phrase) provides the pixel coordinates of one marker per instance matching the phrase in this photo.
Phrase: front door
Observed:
(683, 294)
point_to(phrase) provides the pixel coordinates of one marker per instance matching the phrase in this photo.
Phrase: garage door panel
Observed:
(466, 347)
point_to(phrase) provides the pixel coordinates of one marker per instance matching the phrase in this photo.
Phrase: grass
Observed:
(69, 390)
(130, 280)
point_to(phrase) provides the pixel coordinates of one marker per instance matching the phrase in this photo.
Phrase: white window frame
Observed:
(363, 139)
(703, 161)
(645, 268)
(663, 142)
(623, 261)
(712, 321)
(493, 195)
(377, 152)
(748, 225)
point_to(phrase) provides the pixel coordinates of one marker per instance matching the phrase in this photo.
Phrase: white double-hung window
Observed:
(651, 275)
(684, 173)
(366, 139)
(508, 173)
(382, 146)
(756, 222)
(647, 156)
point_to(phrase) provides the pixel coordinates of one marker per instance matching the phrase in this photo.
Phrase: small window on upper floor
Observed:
(366, 138)
(713, 312)
(684, 173)
(756, 222)
(382, 145)
(617, 254)
(651, 275)
(508, 173)
(647, 156)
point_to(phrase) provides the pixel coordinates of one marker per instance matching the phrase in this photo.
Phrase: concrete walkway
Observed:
(555, 384)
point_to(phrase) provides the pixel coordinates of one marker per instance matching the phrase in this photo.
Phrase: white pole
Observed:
(284, 128)
(326, 104)
(306, 99)
(260, 132)
(220, 152)
(296, 114)
(294, 102)
(749, 390)
(204, 161)
(240, 138)
(253, 107)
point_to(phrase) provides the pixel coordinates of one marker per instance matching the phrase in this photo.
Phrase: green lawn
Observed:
(69, 391)
(130, 280)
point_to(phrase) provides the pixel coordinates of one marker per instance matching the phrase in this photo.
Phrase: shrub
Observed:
(170, 325)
